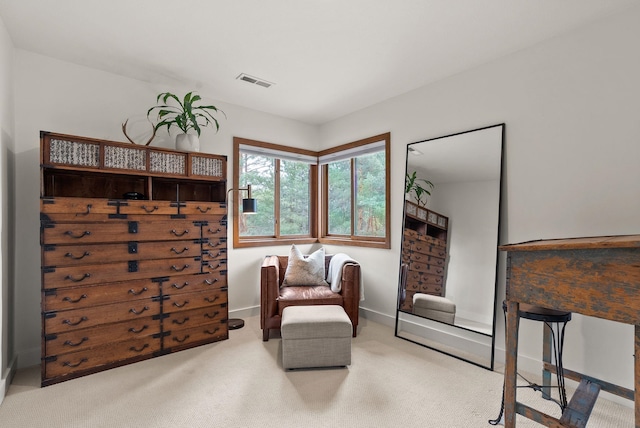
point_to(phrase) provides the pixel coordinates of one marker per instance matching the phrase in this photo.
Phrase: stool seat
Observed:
(538, 313)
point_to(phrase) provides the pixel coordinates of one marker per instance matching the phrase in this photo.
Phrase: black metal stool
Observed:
(553, 344)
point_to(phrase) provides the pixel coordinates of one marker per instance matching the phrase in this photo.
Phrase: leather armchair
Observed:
(273, 298)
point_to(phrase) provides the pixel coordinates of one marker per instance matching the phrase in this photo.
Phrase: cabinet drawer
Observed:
(199, 299)
(188, 319)
(99, 356)
(425, 278)
(82, 254)
(215, 229)
(426, 268)
(119, 231)
(424, 248)
(203, 333)
(425, 258)
(57, 322)
(77, 340)
(190, 283)
(204, 208)
(57, 299)
(431, 289)
(54, 277)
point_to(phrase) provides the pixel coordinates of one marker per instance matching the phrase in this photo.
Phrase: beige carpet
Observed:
(240, 383)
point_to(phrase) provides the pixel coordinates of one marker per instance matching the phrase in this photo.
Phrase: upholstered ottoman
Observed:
(315, 336)
(434, 307)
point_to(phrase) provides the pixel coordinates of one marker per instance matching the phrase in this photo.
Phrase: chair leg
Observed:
(265, 334)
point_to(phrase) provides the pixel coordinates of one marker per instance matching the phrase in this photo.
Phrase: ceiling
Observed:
(327, 58)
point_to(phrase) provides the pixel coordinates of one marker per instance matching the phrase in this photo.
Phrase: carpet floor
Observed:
(240, 383)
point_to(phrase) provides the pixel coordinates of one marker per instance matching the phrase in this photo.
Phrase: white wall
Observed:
(61, 97)
(571, 111)
(6, 207)
(472, 208)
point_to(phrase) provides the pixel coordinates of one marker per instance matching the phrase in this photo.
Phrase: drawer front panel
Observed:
(207, 332)
(85, 338)
(95, 357)
(424, 248)
(74, 319)
(428, 259)
(191, 283)
(95, 274)
(58, 299)
(204, 209)
(426, 268)
(215, 229)
(201, 299)
(188, 319)
(74, 255)
(119, 231)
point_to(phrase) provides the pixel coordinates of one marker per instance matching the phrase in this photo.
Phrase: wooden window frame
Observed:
(276, 238)
(318, 183)
(352, 239)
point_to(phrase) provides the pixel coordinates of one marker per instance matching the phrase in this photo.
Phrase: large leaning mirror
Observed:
(448, 266)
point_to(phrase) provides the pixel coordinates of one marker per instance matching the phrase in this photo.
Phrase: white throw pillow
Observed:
(303, 270)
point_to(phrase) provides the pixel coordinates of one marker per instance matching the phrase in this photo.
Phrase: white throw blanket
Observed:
(334, 274)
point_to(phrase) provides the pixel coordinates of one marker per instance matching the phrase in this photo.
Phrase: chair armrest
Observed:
(351, 291)
(269, 288)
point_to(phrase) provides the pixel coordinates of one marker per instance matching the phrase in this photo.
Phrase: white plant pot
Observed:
(188, 142)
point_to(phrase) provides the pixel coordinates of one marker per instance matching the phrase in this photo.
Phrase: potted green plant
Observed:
(186, 116)
(414, 187)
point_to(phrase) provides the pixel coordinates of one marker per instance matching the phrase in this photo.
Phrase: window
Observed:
(355, 192)
(283, 181)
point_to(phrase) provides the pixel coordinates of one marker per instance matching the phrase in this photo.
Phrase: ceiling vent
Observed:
(254, 80)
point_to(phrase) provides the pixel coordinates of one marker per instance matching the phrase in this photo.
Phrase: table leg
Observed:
(637, 375)
(546, 358)
(511, 363)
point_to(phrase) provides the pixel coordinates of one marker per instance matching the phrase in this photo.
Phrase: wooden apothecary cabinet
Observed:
(125, 279)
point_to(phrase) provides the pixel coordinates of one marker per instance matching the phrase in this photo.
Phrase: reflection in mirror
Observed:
(450, 238)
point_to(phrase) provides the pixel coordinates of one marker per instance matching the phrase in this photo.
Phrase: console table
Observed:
(597, 276)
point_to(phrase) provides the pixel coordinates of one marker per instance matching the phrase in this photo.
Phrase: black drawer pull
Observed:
(137, 293)
(179, 287)
(150, 210)
(214, 231)
(69, 364)
(203, 210)
(133, 311)
(211, 282)
(71, 256)
(178, 305)
(181, 322)
(210, 300)
(215, 314)
(181, 340)
(212, 332)
(177, 269)
(134, 349)
(68, 322)
(133, 330)
(70, 343)
(70, 300)
(87, 212)
(85, 276)
(175, 232)
(82, 235)
(179, 251)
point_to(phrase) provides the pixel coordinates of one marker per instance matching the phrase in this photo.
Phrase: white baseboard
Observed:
(7, 378)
